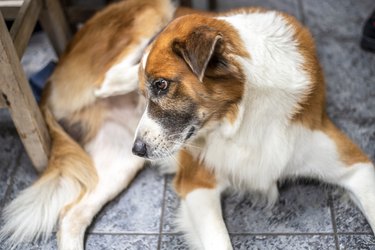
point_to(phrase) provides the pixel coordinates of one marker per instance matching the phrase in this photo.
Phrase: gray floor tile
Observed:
(25, 175)
(338, 17)
(300, 208)
(51, 244)
(171, 206)
(259, 242)
(123, 242)
(288, 6)
(10, 149)
(350, 88)
(349, 218)
(356, 242)
(137, 209)
(313, 242)
(175, 242)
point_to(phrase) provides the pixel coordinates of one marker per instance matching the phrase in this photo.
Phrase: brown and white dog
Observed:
(238, 97)
(91, 160)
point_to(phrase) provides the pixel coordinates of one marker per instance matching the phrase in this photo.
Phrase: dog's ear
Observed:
(198, 49)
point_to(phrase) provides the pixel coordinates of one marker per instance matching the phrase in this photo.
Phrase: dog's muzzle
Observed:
(139, 148)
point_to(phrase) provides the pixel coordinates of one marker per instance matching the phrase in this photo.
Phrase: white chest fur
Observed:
(254, 151)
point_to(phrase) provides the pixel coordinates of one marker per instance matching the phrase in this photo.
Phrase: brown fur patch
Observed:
(349, 152)
(312, 105)
(104, 40)
(311, 111)
(223, 85)
(192, 175)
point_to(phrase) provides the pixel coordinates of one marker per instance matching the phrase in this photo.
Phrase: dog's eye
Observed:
(161, 84)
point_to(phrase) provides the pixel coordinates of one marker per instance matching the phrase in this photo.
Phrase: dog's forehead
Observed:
(161, 61)
(160, 52)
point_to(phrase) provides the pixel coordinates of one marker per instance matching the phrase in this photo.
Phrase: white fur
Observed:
(122, 78)
(145, 57)
(254, 152)
(148, 127)
(360, 183)
(263, 145)
(33, 214)
(201, 219)
(116, 166)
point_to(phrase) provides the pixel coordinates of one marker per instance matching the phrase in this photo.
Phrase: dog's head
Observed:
(191, 80)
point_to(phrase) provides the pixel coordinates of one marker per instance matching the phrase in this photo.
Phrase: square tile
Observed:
(339, 18)
(173, 241)
(137, 209)
(288, 6)
(349, 219)
(350, 85)
(115, 242)
(300, 209)
(290, 242)
(358, 242)
(261, 242)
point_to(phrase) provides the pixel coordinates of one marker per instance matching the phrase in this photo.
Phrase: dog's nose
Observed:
(139, 148)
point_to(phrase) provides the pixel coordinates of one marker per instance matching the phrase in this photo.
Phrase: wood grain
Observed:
(24, 24)
(16, 92)
(10, 9)
(54, 23)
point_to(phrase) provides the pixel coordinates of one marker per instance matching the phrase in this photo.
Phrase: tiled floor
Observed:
(307, 215)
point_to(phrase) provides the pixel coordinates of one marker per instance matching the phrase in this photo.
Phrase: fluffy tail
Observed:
(69, 174)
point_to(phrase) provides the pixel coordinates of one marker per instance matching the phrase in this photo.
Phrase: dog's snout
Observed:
(139, 148)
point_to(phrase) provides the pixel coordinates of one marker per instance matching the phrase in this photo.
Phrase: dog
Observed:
(92, 132)
(236, 97)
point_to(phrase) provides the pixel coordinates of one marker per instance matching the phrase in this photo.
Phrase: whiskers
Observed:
(180, 143)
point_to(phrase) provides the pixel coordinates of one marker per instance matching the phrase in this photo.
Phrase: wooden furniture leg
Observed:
(17, 96)
(54, 23)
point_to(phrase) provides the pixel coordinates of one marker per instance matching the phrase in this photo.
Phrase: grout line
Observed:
(333, 218)
(162, 213)
(284, 234)
(356, 233)
(240, 233)
(123, 233)
(301, 11)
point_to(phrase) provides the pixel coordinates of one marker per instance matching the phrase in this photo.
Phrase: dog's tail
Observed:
(69, 174)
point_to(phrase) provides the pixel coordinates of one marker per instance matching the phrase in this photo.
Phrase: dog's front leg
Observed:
(200, 215)
(116, 167)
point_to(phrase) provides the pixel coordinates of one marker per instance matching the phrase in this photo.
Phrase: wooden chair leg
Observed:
(17, 95)
(54, 23)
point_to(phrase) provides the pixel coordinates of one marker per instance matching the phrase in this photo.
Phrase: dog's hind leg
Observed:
(116, 167)
(332, 157)
(200, 215)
